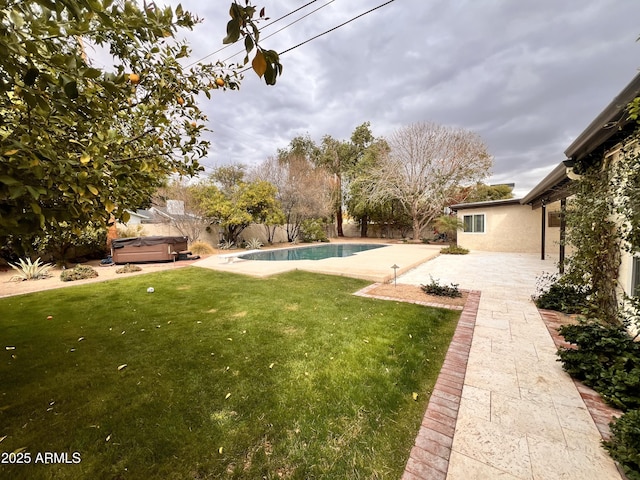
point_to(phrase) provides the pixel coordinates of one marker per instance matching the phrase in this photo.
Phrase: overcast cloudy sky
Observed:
(528, 76)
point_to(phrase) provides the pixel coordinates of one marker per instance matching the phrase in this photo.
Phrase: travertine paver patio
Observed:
(520, 415)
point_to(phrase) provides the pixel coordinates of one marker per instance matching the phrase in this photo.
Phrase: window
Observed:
(554, 219)
(635, 277)
(474, 223)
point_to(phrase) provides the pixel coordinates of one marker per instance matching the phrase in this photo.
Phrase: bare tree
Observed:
(426, 166)
(186, 215)
(304, 191)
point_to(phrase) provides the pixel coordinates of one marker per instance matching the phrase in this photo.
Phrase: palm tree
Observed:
(449, 224)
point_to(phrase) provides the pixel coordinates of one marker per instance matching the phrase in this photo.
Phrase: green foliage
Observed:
(266, 63)
(481, 192)
(64, 243)
(593, 265)
(79, 272)
(80, 143)
(128, 268)
(563, 298)
(434, 288)
(626, 185)
(28, 270)
(449, 224)
(624, 446)
(454, 250)
(312, 230)
(201, 248)
(236, 206)
(556, 293)
(254, 244)
(606, 359)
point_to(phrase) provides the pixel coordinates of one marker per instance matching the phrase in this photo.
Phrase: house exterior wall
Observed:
(511, 228)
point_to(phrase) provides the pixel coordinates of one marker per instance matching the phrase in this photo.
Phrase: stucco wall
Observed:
(512, 228)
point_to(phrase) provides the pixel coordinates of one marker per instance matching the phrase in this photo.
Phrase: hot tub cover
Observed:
(146, 241)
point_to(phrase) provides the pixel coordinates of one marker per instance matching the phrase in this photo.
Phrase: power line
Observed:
(285, 27)
(328, 31)
(267, 25)
(335, 28)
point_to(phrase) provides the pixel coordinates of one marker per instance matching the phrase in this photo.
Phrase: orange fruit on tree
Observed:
(134, 78)
(220, 82)
(180, 100)
(194, 124)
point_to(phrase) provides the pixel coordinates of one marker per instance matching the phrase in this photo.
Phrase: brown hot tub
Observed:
(147, 249)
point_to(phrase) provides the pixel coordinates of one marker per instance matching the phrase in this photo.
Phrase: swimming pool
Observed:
(316, 252)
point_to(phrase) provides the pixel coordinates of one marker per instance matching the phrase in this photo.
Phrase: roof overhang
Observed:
(552, 188)
(607, 124)
(487, 204)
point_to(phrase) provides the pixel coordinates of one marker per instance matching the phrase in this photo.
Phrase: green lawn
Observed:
(226, 376)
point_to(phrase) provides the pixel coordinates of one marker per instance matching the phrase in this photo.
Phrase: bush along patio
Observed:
(215, 375)
(602, 220)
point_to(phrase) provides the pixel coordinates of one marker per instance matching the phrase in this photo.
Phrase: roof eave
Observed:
(606, 124)
(550, 188)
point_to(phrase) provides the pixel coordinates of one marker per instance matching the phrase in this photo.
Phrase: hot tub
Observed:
(147, 249)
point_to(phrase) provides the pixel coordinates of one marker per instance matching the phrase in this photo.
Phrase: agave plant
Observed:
(28, 270)
(226, 245)
(254, 244)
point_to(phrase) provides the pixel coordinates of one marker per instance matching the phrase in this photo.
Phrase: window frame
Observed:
(554, 219)
(473, 223)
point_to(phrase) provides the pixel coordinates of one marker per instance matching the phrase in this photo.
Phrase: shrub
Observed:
(226, 245)
(312, 230)
(253, 244)
(28, 270)
(130, 231)
(79, 272)
(556, 293)
(64, 244)
(454, 250)
(201, 248)
(624, 446)
(606, 359)
(434, 288)
(128, 268)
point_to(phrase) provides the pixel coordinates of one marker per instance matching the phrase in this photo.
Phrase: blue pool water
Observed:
(316, 252)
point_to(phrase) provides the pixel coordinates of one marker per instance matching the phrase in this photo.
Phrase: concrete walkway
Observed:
(520, 415)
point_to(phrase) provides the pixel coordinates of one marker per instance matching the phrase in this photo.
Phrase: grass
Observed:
(226, 377)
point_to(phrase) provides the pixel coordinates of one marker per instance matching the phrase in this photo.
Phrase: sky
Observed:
(528, 76)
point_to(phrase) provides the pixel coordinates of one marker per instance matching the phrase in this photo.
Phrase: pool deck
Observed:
(373, 265)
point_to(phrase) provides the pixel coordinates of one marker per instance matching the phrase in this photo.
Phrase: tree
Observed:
(426, 165)
(366, 154)
(79, 144)
(304, 190)
(481, 192)
(449, 225)
(237, 207)
(192, 220)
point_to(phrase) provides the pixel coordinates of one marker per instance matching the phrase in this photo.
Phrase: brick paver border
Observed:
(429, 457)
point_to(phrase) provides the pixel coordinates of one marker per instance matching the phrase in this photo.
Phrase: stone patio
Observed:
(520, 415)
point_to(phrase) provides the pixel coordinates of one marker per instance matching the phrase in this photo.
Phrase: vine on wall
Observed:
(595, 237)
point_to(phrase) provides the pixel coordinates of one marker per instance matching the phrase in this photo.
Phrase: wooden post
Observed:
(563, 232)
(544, 229)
